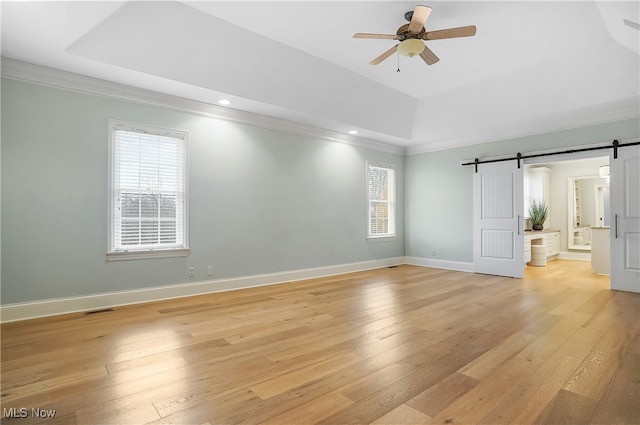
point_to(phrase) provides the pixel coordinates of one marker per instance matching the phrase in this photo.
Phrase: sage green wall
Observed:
(261, 201)
(438, 190)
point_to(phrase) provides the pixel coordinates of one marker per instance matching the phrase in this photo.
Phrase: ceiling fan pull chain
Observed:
(398, 70)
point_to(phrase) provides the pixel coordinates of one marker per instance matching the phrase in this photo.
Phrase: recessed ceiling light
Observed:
(224, 102)
(353, 132)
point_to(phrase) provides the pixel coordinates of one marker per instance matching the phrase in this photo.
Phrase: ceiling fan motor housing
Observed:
(403, 33)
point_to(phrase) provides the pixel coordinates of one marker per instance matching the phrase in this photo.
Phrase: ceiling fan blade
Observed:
(467, 31)
(631, 24)
(384, 55)
(367, 35)
(428, 56)
(420, 16)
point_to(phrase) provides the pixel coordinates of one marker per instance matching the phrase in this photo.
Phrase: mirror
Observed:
(589, 204)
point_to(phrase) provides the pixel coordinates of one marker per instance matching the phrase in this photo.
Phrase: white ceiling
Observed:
(532, 66)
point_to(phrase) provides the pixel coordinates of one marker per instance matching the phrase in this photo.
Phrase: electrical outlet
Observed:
(210, 270)
(192, 271)
(433, 252)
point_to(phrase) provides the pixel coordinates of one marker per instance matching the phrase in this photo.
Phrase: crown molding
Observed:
(55, 78)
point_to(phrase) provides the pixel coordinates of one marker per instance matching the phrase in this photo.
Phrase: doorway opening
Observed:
(576, 193)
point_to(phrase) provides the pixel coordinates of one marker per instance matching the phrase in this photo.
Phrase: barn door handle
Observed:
(518, 223)
(616, 226)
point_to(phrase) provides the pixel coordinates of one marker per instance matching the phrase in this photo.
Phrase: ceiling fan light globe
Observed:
(411, 47)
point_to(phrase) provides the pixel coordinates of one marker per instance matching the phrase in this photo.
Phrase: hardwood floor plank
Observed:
(128, 415)
(312, 412)
(635, 343)
(531, 396)
(442, 394)
(459, 351)
(543, 347)
(384, 343)
(258, 410)
(592, 376)
(37, 388)
(259, 331)
(367, 385)
(299, 377)
(204, 402)
(354, 335)
(402, 415)
(148, 368)
(476, 403)
(503, 351)
(620, 403)
(573, 303)
(396, 354)
(567, 408)
(596, 302)
(256, 347)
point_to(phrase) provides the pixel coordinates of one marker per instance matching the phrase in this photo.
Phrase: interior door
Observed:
(625, 217)
(498, 241)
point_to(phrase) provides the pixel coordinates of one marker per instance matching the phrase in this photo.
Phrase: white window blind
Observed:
(382, 200)
(148, 195)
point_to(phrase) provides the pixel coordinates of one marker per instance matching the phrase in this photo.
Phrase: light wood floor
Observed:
(398, 345)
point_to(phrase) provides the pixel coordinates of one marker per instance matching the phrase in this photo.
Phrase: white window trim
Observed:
(387, 236)
(383, 238)
(145, 254)
(139, 254)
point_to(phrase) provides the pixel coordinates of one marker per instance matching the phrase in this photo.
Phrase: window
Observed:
(148, 205)
(381, 181)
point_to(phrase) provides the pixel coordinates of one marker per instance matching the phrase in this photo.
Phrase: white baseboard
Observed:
(53, 307)
(577, 256)
(439, 264)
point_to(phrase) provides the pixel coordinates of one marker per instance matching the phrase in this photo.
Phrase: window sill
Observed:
(144, 255)
(385, 238)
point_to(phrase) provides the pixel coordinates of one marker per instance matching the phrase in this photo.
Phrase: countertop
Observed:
(537, 232)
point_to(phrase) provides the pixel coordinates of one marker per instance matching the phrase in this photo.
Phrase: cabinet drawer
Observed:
(552, 241)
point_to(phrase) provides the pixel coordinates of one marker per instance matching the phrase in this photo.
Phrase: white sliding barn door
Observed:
(498, 240)
(625, 219)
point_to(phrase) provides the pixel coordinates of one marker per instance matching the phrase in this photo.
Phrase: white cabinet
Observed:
(548, 240)
(527, 250)
(552, 241)
(600, 250)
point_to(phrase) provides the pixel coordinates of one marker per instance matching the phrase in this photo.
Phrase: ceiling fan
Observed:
(411, 36)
